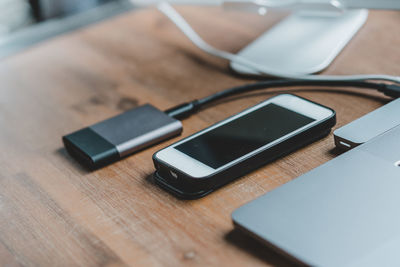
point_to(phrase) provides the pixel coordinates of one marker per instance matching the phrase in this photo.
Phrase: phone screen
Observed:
(243, 135)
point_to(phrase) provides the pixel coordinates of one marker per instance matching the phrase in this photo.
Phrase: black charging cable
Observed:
(186, 109)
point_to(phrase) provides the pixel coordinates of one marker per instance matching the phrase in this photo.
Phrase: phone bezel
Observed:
(196, 169)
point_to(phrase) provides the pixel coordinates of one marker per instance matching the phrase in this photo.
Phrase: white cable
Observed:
(182, 24)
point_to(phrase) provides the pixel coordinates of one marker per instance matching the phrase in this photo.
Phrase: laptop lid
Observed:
(343, 213)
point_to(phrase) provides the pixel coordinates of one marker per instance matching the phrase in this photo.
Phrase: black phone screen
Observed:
(243, 135)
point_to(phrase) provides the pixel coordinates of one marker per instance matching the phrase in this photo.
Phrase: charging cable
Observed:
(187, 30)
(186, 109)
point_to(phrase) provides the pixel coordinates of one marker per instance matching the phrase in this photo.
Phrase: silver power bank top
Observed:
(369, 126)
(137, 128)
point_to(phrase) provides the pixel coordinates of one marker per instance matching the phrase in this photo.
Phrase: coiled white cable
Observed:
(184, 26)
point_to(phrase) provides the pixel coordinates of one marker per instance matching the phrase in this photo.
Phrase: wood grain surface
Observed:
(55, 213)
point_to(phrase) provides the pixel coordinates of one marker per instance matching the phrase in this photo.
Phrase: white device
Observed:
(214, 156)
(197, 169)
(309, 40)
(303, 43)
(343, 213)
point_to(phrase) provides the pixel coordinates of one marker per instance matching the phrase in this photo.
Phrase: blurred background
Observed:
(26, 22)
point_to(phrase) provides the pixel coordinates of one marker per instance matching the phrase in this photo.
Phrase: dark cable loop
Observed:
(186, 109)
(284, 83)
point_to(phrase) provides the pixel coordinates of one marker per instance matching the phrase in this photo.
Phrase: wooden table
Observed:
(55, 213)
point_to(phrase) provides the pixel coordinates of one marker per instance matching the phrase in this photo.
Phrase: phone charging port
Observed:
(345, 144)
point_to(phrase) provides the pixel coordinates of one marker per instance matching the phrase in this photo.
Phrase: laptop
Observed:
(343, 213)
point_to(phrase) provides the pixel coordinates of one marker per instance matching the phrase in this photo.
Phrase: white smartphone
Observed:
(198, 164)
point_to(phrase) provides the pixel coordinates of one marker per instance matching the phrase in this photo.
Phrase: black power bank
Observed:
(110, 140)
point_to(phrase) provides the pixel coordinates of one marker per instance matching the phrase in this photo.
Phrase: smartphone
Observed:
(203, 162)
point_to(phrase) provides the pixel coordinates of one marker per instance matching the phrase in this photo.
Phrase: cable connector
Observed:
(392, 90)
(184, 110)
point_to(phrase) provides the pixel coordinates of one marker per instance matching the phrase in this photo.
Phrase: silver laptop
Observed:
(343, 213)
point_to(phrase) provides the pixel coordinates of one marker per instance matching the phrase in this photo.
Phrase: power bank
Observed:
(108, 141)
(369, 126)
